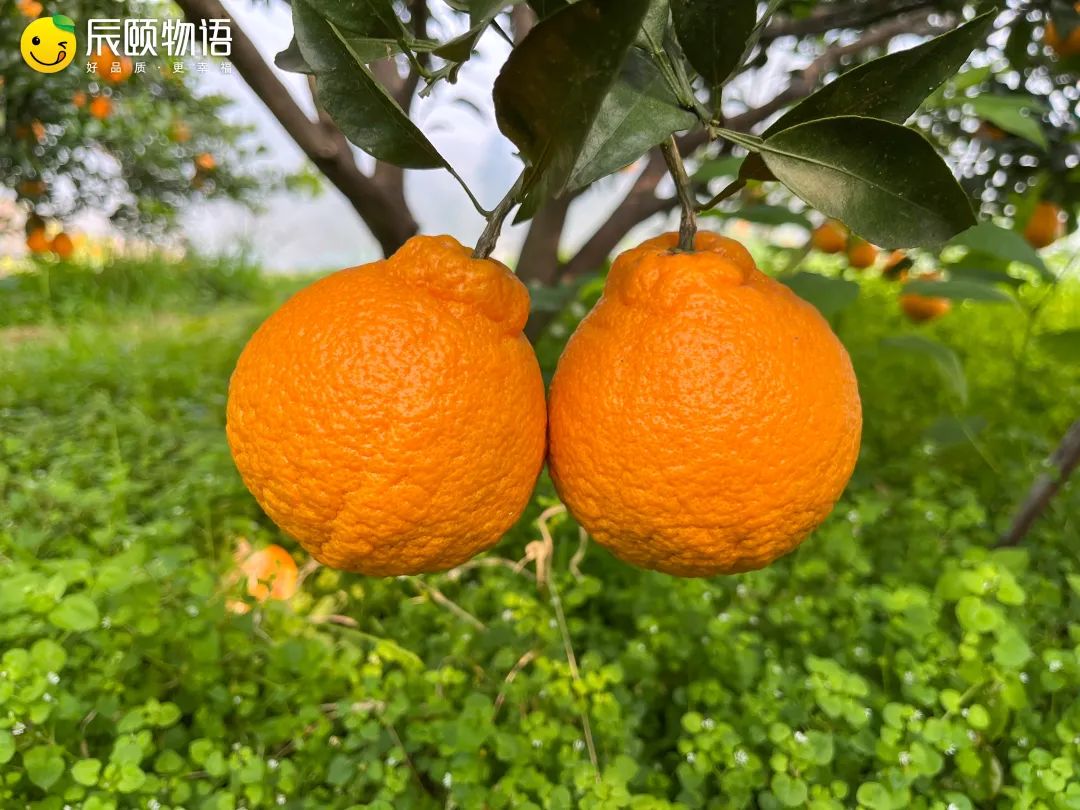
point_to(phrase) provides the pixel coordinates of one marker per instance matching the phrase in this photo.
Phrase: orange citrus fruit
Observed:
(391, 416)
(829, 237)
(1070, 46)
(32, 188)
(112, 67)
(861, 254)
(78, 98)
(62, 245)
(896, 265)
(31, 9)
(1045, 225)
(101, 107)
(205, 162)
(271, 573)
(180, 132)
(923, 308)
(37, 241)
(703, 418)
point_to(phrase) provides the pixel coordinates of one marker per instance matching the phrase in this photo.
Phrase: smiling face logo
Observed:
(48, 43)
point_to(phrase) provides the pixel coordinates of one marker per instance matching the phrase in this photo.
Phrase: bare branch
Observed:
(389, 222)
(832, 17)
(1062, 463)
(539, 258)
(522, 19)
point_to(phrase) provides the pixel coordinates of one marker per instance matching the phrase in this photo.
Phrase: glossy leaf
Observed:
(714, 34)
(1014, 114)
(959, 290)
(893, 86)
(371, 19)
(638, 113)
(481, 15)
(829, 295)
(552, 88)
(292, 60)
(359, 105)
(988, 239)
(882, 180)
(655, 25)
(944, 359)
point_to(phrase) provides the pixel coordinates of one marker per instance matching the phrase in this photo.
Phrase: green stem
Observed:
(741, 138)
(688, 223)
(732, 188)
(486, 243)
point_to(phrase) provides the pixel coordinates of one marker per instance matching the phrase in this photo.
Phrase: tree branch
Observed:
(389, 222)
(832, 17)
(1064, 460)
(522, 19)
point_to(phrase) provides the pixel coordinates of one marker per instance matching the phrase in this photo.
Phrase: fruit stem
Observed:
(486, 243)
(688, 223)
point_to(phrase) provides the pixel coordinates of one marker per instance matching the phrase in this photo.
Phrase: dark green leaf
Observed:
(1063, 346)
(638, 113)
(552, 88)
(829, 295)
(988, 239)
(654, 26)
(891, 87)
(945, 360)
(959, 290)
(292, 60)
(359, 105)
(764, 215)
(545, 8)
(1020, 36)
(713, 34)
(1012, 114)
(481, 15)
(882, 180)
(371, 19)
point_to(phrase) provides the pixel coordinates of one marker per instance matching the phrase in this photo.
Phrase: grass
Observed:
(895, 660)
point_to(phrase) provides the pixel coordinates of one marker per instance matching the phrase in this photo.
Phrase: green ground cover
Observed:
(896, 660)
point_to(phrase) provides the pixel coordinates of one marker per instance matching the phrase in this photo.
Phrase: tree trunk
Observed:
(383, 211)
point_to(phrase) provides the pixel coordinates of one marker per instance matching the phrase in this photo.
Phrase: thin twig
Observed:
(443, 600)
(730, 190)
(455, 574)
(560, 619)
(579, 555)
(486, 243)
(522, 662)
(688, 222)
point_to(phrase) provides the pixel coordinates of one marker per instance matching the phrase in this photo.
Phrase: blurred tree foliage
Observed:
(133, 145)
